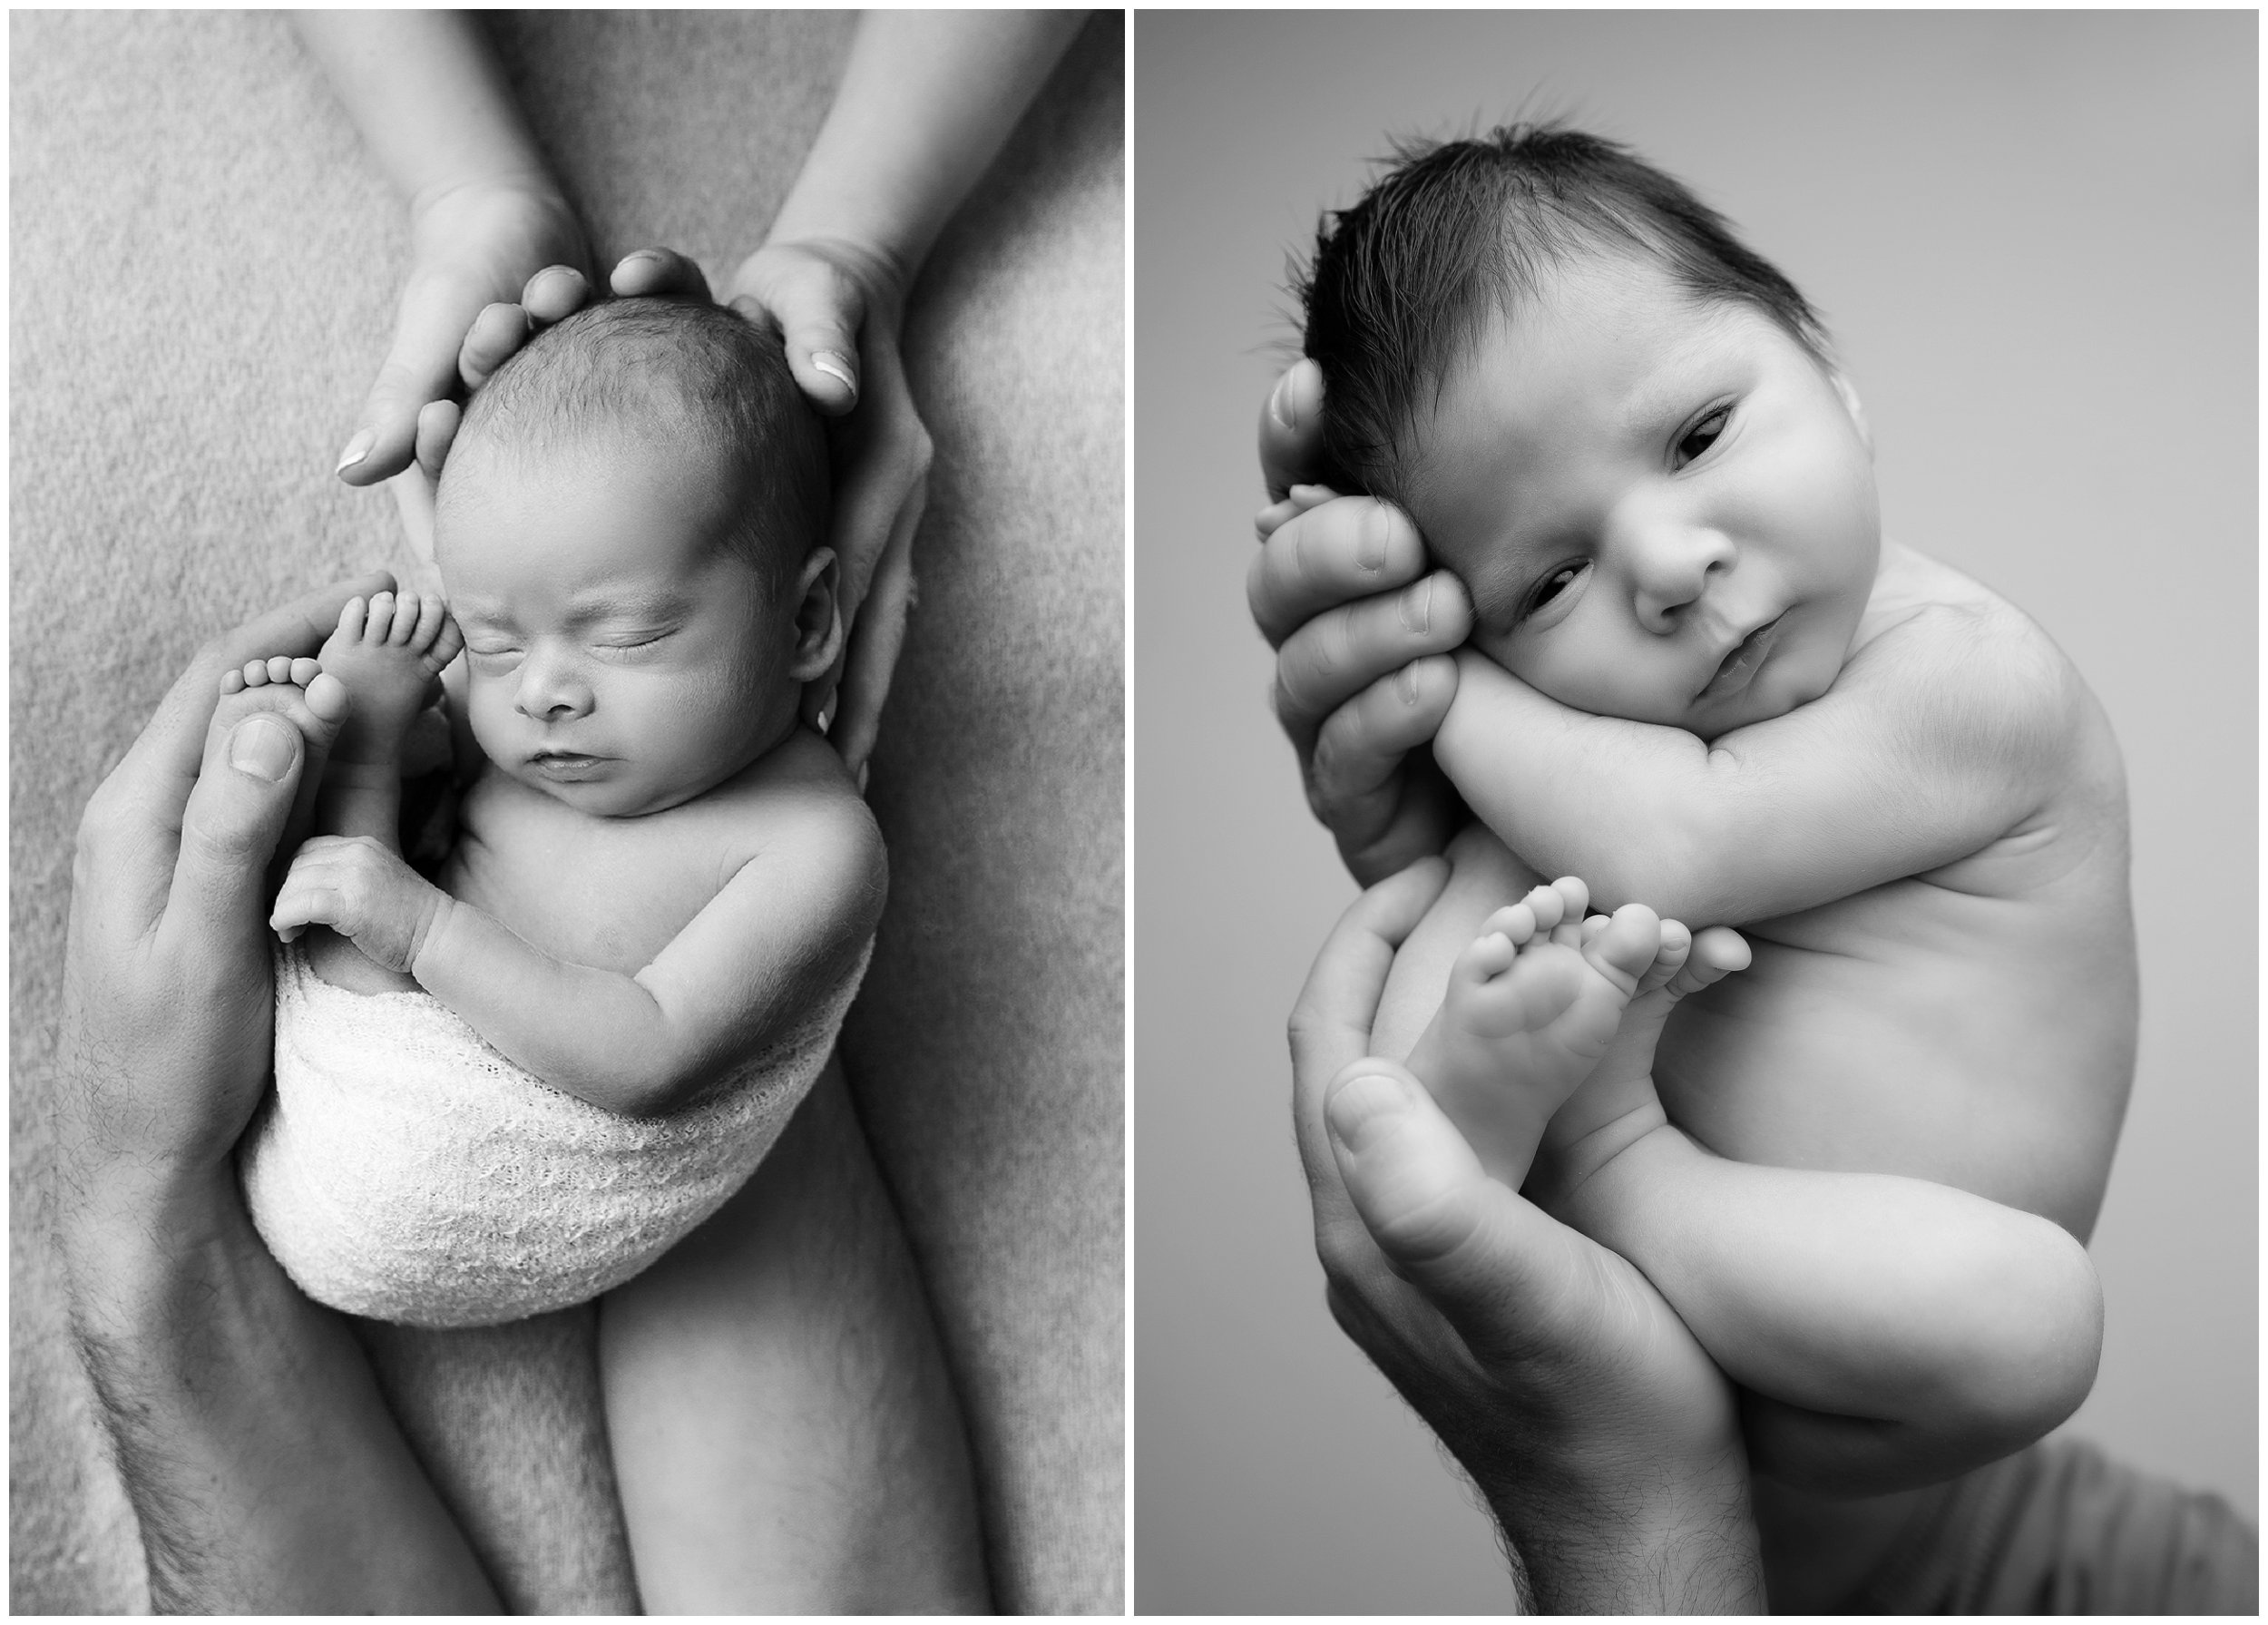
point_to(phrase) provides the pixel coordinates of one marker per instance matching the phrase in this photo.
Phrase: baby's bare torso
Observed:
(612, 893)
(1974, 1024)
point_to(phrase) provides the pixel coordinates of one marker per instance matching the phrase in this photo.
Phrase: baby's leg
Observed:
(1892, 1332)
(785, 1431)
(388, 653)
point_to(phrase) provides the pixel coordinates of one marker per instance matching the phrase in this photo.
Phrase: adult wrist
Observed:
(1654, 1545)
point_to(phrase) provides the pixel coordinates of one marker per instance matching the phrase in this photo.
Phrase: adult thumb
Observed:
(231, 825)
(1494, 1265)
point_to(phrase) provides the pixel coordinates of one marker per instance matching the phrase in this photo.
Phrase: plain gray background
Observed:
(2034, 237)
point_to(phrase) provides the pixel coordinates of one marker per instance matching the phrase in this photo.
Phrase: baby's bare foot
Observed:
(299, 692)
(1532, 1007)
(390, 652)
(1617, 1104)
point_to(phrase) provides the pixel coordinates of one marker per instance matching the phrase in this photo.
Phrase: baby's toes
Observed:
(326, 696)
(1486, 958)
(1676, 944)
(352, 618)
(1516, 923)
(1717, 953)
(380, 625)
(1629, 945)
(448, 641)
(1547, 905)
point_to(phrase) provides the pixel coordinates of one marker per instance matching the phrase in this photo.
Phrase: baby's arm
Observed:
(784, 928)
(1938, 738)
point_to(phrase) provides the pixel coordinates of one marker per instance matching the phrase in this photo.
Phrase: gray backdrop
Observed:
(2034, 236)
(204, 266)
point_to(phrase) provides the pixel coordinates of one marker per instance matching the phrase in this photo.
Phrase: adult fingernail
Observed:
(1364, 1107)
(1371, 557)
(1417, 606)
(357, 449)
(1279, 403)
(863, 770)
(837, 365)
(262, 746)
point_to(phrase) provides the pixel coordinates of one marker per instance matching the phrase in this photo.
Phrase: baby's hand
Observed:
(1301, 498)
(365, 893)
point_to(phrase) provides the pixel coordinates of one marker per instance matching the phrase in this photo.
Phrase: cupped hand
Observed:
(1362, 632)
(475, 253)
(1603, 1437)
(168, 1010)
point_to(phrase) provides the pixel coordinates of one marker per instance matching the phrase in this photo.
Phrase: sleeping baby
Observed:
(514, 1089)
(1699, 682)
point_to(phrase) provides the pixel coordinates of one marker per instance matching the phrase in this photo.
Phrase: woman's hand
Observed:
(1362, 633)
(1606, 1440)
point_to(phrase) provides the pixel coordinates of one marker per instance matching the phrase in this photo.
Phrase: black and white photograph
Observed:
(1294, 812)
(567, 835)
(1755, 573)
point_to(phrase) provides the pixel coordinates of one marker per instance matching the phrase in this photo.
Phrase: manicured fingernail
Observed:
(1363, 1108)
(1417, 606)
(261, 746)
(357, 449)
(837, 365)
(1372, 556)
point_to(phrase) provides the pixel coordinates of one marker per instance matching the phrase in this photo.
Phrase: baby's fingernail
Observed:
(357, 449)
(837, 365)
(262, 746)
(1417, 607)
(1360, 1109)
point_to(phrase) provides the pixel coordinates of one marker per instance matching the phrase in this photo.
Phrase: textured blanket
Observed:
(205, 266)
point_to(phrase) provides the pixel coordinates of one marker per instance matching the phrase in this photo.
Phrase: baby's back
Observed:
(1973, 1024)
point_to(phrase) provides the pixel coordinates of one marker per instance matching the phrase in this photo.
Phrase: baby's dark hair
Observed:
(678, 375)
(1457, 230)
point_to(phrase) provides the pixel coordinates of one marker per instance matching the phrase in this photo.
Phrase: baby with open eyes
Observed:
(517, 1086)
(1704, 689)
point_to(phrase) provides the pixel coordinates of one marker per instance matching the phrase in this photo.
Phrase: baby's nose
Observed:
(1670, 569)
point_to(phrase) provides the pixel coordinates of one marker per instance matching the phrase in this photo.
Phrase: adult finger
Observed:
(553, 294)
(1291, 430)
(657, 273)
(878, 634)
(1359, 747)
(820, 311)
(437, 432)
(497, 332)
(1342, 651)
(1353, 547)
(1331, 1022)
(420, 367)
(1505, 1276)
(232, 822)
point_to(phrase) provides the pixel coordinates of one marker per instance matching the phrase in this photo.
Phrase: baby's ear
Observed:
(818, 617)
(1851, 405)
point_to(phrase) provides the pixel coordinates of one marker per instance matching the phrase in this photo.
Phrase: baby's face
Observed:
(1662, 510)
(622, 659)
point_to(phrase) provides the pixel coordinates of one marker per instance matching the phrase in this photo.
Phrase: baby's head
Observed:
(629, 526)
(1621, 428)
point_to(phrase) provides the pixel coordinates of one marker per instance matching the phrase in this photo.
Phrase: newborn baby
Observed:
(1700, 681)
(514, 1089)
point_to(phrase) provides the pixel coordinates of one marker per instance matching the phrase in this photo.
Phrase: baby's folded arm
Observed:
(1935, 740)
(779, 934)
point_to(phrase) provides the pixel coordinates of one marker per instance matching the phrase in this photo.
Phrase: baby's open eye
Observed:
(1703, 435)
(1551, 586)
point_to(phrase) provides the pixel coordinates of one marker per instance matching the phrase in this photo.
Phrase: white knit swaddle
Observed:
(405, 1172)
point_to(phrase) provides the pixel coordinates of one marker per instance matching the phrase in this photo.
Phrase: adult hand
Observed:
(1362, 633)
(1605, 1441)
(168, 1012)
(266, 1471)
(481, 254)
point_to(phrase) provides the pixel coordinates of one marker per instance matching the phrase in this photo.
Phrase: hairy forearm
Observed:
(1645, 1543)
(429, 99)
(926, 103)
(262, 1464)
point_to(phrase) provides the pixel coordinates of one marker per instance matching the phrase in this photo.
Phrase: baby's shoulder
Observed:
(1960, 653)
(796, 803)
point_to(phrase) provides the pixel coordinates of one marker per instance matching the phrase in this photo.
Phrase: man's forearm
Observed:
(265, 1469)
(1695, 1553)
